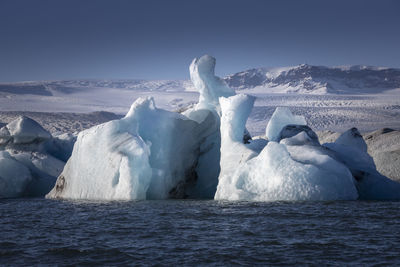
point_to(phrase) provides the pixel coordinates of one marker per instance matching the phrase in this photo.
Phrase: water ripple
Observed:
(189, 232)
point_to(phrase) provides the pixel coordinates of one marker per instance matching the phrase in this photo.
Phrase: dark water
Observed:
(184, 232)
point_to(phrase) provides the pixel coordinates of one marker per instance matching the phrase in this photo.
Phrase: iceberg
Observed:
(151, 153)
(351, 148)
(294, 169)
(23, 130)
(206, 152)
(29, 162)
(384, 147)
(148, 154)
(210, 88)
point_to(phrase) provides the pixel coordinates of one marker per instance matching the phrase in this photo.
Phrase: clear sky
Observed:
(72, 39)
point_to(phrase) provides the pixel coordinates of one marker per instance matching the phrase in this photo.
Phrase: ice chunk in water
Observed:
(276, 173)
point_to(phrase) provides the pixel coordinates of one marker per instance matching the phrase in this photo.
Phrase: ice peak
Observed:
(209, 86)
(235, 111)
(24, 130)
(141, 102)
(281, 117)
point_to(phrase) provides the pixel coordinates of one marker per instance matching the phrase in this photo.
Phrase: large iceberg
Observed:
(206, 152)
(149, 154)
(292, 165)
(293, 169)
(210, 88)
(30, 159)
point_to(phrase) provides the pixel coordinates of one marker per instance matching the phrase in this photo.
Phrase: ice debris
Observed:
(30, 160)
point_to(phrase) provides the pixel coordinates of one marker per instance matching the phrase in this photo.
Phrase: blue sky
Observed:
(73, 39)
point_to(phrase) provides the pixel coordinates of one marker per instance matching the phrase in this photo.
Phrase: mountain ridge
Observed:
(303, 79)
(306, 78)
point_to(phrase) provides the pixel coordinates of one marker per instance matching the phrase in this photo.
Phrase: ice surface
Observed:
(23, 130)
(236, 110)
(279, 171)
(281, 117)
(60, 146)
(44, 170)
(177, 155)
(106, 164)
(30, 161)
(14, 176)
(209, 86)
(149, 154)
(371, 185)
(274, 175)
(354, 139)
(384, 147)
(233, 152)
(302, 138)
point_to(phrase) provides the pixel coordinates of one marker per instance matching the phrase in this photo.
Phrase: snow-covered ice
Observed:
(352, 151)
(278, 172)
(210, 88)
(30, 162)
(148, 154)
(384, 147)
(281, 117)
(151, 153)
(205, 151)
(23, 130)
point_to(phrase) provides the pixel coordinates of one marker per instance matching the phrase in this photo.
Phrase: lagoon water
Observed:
(198, 232)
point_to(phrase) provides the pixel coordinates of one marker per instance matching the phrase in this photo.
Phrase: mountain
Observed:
(63, 87)
(303, 79)
(317, 79)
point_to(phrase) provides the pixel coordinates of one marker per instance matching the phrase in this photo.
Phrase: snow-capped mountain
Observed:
(54, 88)
(298, 79)
(317, 79)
